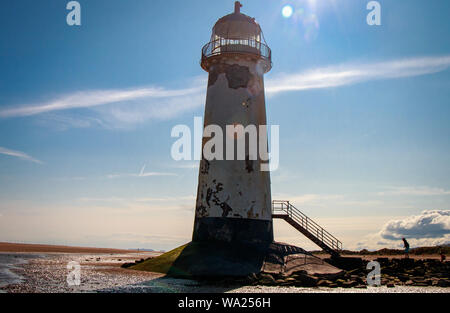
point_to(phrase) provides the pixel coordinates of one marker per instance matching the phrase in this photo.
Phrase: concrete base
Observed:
(215, 260)
(233, 231)
(219, 259)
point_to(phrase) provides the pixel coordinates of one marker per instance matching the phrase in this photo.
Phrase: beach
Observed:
(41, 271)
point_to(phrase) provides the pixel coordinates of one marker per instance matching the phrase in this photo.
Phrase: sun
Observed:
(287, 11)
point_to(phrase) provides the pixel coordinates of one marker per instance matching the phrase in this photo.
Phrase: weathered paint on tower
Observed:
(233, 197)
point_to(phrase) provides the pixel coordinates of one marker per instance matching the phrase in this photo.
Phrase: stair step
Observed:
(301, 222)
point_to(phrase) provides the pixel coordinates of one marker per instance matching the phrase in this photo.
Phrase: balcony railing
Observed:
(241, 46)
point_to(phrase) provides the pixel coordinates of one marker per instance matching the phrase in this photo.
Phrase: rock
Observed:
(349, 284)
(429, 282)
(252, 277)
(390, 285)
(406, 263)
(290, 279)
(301, 272)
(333, 285)
(126, 265)
(356, 271)
(358, 279)
(324, 283)
(403, 277)
(331, 276)
(382, 261)
(361, 286)
(420, 282)
(443, 283)
(419, 271)
(266, 279)
(346, 263)
(304, 280)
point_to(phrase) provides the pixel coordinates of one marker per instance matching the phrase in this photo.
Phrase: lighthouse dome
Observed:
(237, 34)
(237, 26)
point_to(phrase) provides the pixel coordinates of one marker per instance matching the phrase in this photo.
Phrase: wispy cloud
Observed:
(146, 199)
(414, 191)
(87, 99)
(19, 154)
(308, 199)
(148, 174)
(349, 74)
(142, 173)
(187, 165)
(118, 107)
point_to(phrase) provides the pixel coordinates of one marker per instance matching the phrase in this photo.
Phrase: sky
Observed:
(86, 114)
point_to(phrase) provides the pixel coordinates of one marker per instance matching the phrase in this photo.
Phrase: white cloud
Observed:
(429, 224)
(429, 228)
(19, 154)
(349, 74)
(116, 108)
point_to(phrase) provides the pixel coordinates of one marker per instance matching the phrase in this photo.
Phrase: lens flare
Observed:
(287, 11)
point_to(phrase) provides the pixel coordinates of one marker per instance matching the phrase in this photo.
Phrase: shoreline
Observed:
(101, 273)
(10, 247)
(9, 262)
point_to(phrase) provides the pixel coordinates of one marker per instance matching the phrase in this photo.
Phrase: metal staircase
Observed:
(284, 210)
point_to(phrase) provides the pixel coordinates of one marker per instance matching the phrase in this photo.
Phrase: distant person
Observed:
(441, 252)
(406, 245)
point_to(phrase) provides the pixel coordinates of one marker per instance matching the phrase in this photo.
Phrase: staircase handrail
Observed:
(307, 223)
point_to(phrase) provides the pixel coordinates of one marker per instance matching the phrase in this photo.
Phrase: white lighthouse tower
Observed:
(233, 198)
(233, 233)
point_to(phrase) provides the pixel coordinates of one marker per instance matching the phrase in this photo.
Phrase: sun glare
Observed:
(287, 11)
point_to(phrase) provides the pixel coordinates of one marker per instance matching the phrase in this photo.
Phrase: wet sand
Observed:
(101, 272)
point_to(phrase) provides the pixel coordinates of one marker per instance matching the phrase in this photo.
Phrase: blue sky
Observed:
(363, 111)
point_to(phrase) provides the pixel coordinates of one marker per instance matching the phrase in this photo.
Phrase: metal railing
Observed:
(306, 223)
(229, 45)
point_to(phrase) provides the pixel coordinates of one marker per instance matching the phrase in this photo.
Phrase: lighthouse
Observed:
(233, 198)
(233, 231)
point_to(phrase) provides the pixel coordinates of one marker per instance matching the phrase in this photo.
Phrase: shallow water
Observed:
(9, 261)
